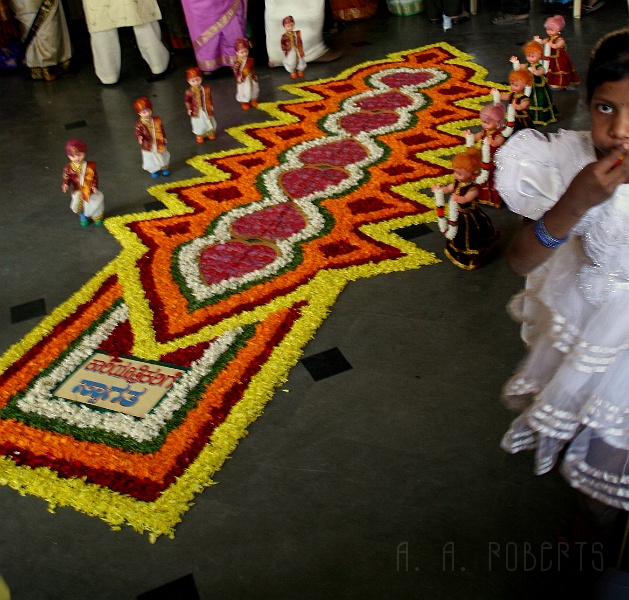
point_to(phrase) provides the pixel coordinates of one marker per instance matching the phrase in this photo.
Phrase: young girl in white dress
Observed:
(573, 387)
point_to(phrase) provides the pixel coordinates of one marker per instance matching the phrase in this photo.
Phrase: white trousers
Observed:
(203, 124)
(106, 51)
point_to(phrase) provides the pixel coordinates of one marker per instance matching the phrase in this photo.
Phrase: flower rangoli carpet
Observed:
(226, 285)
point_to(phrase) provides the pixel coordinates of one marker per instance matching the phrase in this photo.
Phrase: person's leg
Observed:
(455, 10)
(516, 7)
(106, 54)
(434, 10)
(151, 47)
(590, 6)
(513, 11)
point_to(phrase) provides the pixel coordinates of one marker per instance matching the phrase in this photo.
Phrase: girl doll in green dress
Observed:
(541, 109)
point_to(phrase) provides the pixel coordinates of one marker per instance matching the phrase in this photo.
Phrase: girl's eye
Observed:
(603, 108)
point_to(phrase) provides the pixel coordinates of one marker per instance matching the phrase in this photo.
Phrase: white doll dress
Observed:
(574, 385)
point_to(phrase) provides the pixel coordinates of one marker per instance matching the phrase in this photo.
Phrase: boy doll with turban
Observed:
(198, 100)
(293, 49)
(152, 139)
(247, 88)
(81, 178)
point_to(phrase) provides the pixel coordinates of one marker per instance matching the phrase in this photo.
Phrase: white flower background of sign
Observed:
(41, 401)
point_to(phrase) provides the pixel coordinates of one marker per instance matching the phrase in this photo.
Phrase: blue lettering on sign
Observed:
(98, 391)
(135, 395)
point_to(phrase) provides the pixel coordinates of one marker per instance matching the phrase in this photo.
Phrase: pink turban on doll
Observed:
(75, 145)
(288, 19)
(558, 21)
(496, 112)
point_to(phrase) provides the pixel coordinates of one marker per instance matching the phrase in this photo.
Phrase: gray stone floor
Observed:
(384, 481)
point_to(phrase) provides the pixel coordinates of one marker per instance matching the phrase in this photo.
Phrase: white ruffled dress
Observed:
(574, 385)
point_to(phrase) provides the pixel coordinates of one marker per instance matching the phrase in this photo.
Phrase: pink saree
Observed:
(214, 27)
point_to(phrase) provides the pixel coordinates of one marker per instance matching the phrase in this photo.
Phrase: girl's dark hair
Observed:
(609, 60)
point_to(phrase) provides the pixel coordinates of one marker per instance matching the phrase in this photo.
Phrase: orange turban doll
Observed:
(193, 72)
(142, 103)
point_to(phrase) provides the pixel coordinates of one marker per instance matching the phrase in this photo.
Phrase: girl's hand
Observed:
(537, 38)
(597, 181)
(435, 188)
(513, 59)
(64, 187)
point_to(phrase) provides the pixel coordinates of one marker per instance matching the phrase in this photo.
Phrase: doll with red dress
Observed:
(561, 72)
(470, 234)
(247, 88)
(541, 109)
(293, 49)
(81, 178)
(150, 134)
(493, 134)
(198, 101)
(521, 83)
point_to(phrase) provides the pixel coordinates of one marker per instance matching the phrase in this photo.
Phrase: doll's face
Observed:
(195, 81)
(242, 53)
(462, 174)
(517, 86)
(609, 111)
(289, 26)
(533, 56)
(76, 157)
(552, 29)
(145, 113)
(488, 123)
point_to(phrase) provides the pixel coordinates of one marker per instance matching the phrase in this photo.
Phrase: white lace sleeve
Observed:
(527, 176)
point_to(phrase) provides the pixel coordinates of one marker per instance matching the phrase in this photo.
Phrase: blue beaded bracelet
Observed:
(546, 238)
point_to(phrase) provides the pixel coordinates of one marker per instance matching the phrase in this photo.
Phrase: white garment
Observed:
(103, 20)
(294, 62)
(51, 45)
(94, 207)
(203, 124)
(154, 161)
(106, 51)
(573, 385)
(248, 90)
(309, 17)
(101, 16)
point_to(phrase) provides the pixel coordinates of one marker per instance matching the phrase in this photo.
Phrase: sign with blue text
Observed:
(126, 385)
